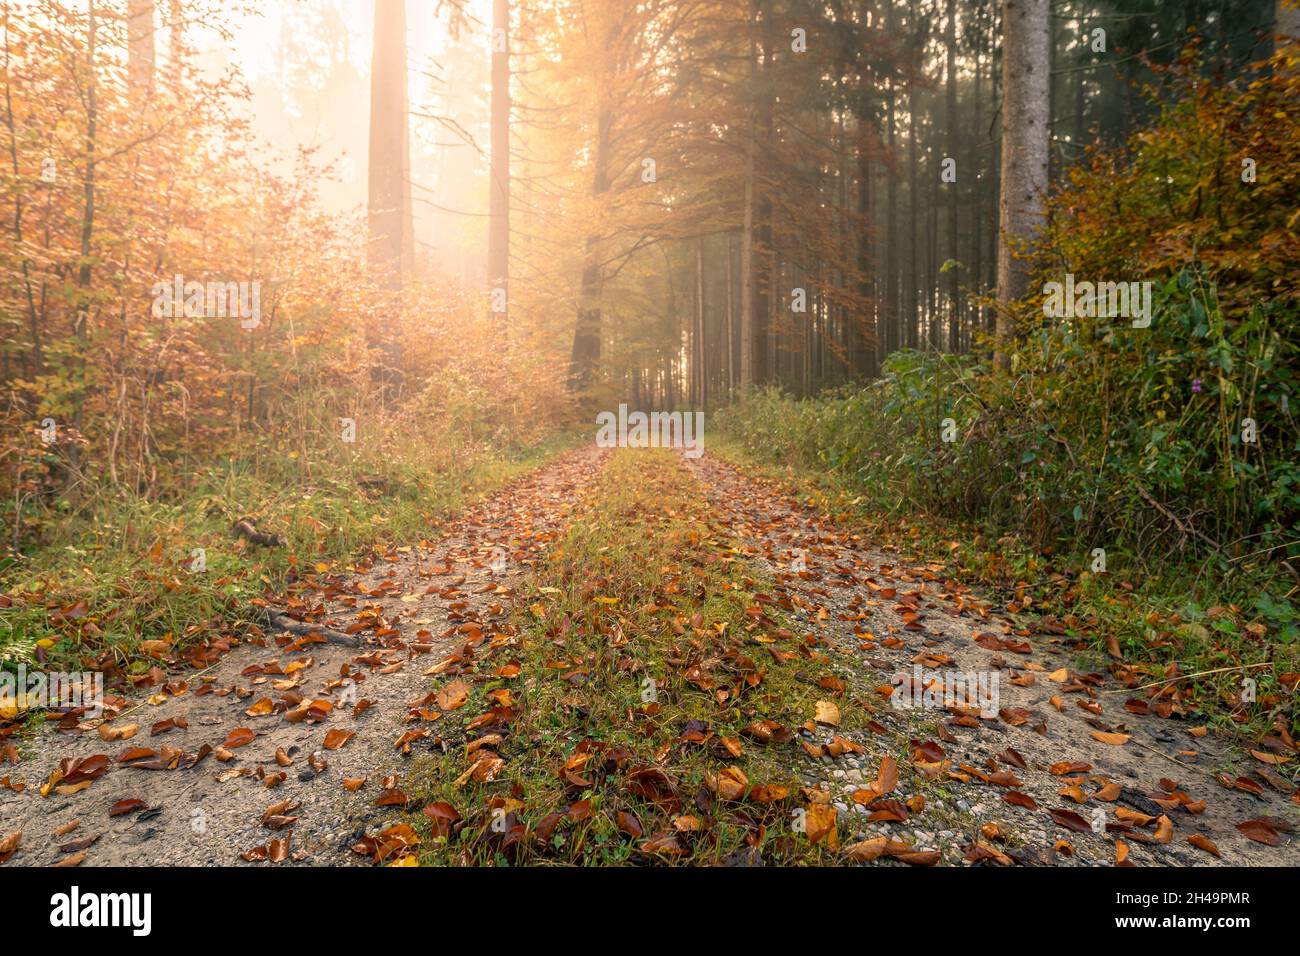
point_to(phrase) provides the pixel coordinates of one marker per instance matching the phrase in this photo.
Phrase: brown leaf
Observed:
(827, 713)
(123, 807)
(1204, 843)
(1018, 799)
(453, 695)
(239, 737)
(9, 845)
(1071, 820)
(867, 850)
(336, 738)
(820, 824)
(1115, 740)
(1260, 831)
(732, 783)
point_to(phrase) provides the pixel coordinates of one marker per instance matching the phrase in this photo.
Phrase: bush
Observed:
(1103, 435)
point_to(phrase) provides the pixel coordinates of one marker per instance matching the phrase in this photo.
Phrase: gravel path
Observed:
(291, 750)
(882, 616)
(283, 793)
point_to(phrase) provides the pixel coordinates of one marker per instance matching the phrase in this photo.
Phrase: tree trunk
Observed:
(140, 48)
(867, 333)
(977, 161)
(765, 291)
(701, 371)
(954, 189)
(587, 332)
(1025, 97)
(38, 360)
(747, 297)
(729, 369)
(392, 246)
(912, 336)
(175, 40)
(499, 196)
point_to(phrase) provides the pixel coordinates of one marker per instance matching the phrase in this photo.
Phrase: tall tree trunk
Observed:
(977, 161)
(993, 191)
(702, 395)
(729, 363)
(747, 281)
(38, 359)
(140, 48)
(87, 224)
(869, 333)
(934, 330)
(499, 196)
(587, 332)
(954, 190)
(175, 40)
(912, 312)
(391, 244)
(1025, 97)
(1080, 107)
(765, 291)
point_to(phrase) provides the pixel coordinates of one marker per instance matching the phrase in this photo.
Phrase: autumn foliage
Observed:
(109, 193)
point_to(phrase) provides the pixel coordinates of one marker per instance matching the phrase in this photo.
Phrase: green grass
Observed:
(643, 587)
(117, 573)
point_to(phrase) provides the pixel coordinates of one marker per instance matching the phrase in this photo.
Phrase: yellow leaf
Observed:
(827, 713)
(1115, 740)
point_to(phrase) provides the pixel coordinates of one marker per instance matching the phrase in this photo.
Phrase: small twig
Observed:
(132, 710)
(1186, 766)
(1217, 670)
(1186, 529)
(285, 623)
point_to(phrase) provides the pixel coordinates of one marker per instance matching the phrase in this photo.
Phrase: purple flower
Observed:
(1196, 385)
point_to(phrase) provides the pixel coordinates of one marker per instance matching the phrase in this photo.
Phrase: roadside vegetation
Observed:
(118, 570)
(1174, 449)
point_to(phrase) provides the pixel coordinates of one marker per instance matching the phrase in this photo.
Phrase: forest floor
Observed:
(635, 656)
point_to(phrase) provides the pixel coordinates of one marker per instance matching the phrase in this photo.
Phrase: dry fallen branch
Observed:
(247, 528)
(284, 622)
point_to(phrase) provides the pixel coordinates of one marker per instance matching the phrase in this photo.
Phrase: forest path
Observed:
(1047, 738)
(297, 751)
(272, 787)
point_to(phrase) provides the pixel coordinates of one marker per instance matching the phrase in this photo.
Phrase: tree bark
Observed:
(499, 196)
(892, 320)
(747, 230)
(87, 223)
(912, 335)
(175, 40)
(954, 188)
(765, 291)
(587, 332)
(1025, 98)
(140, 48)
(392, 247)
